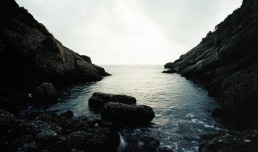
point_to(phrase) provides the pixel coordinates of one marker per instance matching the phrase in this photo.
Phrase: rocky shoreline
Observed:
(225, 62)
(47, 131)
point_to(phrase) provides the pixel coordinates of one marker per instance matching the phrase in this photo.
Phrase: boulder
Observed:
(98, 99)
(47, 136)
(44, 93)
(127, 114)
(92, 140)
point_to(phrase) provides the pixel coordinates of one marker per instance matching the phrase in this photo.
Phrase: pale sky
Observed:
(130, 31)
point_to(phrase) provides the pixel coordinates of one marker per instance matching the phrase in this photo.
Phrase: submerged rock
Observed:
(127, 114)
(98, 99)
(141, 143)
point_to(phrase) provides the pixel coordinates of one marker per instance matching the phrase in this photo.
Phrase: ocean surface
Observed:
(182, 108)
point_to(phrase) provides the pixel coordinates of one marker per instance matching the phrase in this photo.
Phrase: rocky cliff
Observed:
(30, 55)
(225, 62)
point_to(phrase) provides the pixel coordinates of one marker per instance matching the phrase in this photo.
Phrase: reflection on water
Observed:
(182, 108)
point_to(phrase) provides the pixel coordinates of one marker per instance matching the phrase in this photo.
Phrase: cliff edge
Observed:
(225, 62)
(30, 54)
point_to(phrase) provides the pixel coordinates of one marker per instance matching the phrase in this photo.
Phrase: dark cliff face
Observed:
(30, 55)
(226, 63)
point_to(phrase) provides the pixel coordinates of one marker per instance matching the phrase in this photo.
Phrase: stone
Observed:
(127, 114)
(45, 93)
(98, 99)
(47, 136)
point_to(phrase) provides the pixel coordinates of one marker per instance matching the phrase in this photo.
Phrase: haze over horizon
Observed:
(130, 32)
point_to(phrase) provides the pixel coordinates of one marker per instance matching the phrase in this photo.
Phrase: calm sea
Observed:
(182, 108)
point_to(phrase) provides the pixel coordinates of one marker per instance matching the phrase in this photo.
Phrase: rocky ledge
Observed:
(225, 62)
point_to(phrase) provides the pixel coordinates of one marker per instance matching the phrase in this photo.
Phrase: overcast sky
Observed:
(130, 31)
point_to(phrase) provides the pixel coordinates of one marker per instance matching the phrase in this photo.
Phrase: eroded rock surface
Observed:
(127, 114)
(98, 99)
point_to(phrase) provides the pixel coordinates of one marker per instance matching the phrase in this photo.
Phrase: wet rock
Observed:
(170, 71)
(47, 137)
(92, 140)
(45, 93)
(68, 114)
(229, 141)
(127, 114)
(141, 143)
(98, 99)
(7, 122)
(35, 126)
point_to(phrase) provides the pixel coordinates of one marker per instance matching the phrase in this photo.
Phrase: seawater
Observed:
(182, 108)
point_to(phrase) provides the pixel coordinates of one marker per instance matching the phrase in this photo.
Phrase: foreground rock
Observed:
(225, 62)
(47, 131)
(98, 99)
(230, 141)
(127, 114)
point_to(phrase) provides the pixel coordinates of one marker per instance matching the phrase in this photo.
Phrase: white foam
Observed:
(122, 143)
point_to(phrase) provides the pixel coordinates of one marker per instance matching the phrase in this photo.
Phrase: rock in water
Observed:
(44, 93)
(98, 99)
(127, 114)
(170, 71)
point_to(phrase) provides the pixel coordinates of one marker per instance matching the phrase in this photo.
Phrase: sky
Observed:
(130, 31)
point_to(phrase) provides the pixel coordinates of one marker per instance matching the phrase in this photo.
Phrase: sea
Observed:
(182, 107)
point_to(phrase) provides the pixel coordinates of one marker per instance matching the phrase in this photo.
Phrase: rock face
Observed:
(127, 114)
(98, 99)
(30, 55)
(225, 62)
(230, 141)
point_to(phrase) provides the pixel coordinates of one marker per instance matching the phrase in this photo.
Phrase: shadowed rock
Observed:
(170, 71)
(127, 114)
(45, 93)
(98, 99)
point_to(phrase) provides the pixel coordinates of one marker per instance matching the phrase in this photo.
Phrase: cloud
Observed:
(130, 32)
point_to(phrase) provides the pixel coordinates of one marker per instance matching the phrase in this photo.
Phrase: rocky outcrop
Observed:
(230, 141)
(127, 114)
(30, 55)
(98, 99)
(225, 62)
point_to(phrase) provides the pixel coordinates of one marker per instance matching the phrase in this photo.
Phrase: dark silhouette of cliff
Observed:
(30, 54)
(225, 62)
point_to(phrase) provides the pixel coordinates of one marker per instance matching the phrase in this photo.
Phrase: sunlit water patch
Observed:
(182, 108)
